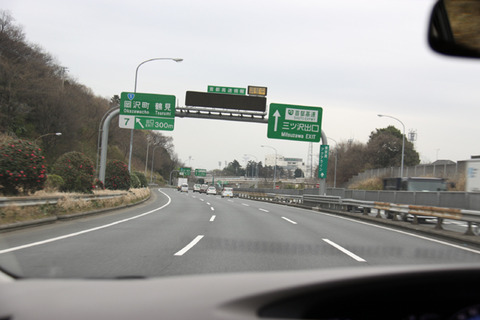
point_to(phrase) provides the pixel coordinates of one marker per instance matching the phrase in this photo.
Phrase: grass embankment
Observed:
(69, 205)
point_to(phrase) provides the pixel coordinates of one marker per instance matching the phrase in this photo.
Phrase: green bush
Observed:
(54, 182)
(22, 167)
(77, 171)
(142, 178)
(134, 181)
(117, 176)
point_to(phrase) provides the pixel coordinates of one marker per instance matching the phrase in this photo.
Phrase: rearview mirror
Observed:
(455, 28)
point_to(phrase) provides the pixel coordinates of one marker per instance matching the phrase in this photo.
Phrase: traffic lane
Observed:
(377, 244)
(139, 247)
(59, 228)
(244, 238)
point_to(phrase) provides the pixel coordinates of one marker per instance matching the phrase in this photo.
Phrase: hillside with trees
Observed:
(38, 98)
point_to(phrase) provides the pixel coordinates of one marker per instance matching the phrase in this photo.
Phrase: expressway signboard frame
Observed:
(293, 122)
(145, 111)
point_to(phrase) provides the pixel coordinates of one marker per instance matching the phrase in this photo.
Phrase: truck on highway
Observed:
(181, 181)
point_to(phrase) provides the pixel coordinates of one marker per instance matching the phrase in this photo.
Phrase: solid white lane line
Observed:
(189, 246)
(212, 218)
(246, 205)
(352, 255)
(70, 235)
(291, 221)
(263, 210)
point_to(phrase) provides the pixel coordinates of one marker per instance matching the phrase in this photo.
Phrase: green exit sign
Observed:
(146, 111)
(201, 172)
(291, 122)
(227, 90)
(185, 171)
(323, 161)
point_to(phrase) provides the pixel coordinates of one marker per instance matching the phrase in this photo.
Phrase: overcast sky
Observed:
(355, 59)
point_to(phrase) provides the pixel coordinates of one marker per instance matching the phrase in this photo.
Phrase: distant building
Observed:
(285, 163)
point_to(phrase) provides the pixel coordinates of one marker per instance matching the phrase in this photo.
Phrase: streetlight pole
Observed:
(335, 167)
(146, 158)
(153, 158)
(135, 91)
(256, 169)
(403, 140)
(48, 134)
(275, 169)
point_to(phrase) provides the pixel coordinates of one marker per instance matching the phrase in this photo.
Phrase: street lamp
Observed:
(256, 168)
(153, 158)
(403, 140)
(135, 91)
(335, 167)
(48, 134)
(275, 169)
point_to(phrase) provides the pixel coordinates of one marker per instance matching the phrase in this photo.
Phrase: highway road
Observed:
(178, 234)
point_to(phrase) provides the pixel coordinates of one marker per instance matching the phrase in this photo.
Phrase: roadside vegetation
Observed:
(69, 204)
(53, 119)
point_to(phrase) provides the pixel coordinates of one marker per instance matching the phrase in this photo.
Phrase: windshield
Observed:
(122, 123)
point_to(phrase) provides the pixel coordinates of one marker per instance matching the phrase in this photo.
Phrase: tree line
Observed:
(38, 98)
(383, 150)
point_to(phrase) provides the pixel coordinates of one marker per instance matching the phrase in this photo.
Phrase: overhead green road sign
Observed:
(185, 171)
(227, 90)
(201, 172)
(147, 111)
(292, 122)
(323, 161)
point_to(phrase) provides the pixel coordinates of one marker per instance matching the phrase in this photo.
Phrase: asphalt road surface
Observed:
(185, 233)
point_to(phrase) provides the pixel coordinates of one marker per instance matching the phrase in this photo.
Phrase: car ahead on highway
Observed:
(197, 187)
(203, 188)
(184, 187)
(176, 257)
(227, 192)
(212, 190)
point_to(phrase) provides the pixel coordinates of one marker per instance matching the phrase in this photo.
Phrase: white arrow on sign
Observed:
(276, 115)
(139, 122)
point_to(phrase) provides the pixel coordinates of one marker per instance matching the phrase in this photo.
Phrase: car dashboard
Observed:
(440, 292)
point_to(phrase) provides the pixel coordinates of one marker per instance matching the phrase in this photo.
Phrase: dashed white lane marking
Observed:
(189, 246)
(291, 221)
(352, 255)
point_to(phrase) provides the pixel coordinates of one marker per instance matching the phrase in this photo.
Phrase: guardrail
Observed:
(36, 201)
(391, 211)
(272, 197)
(397, 211)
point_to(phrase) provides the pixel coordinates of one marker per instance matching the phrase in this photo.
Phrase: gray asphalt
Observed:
(233, 235)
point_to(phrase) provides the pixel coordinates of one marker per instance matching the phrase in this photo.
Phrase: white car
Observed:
(227, 192)
(212, 190)
(184, 188)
